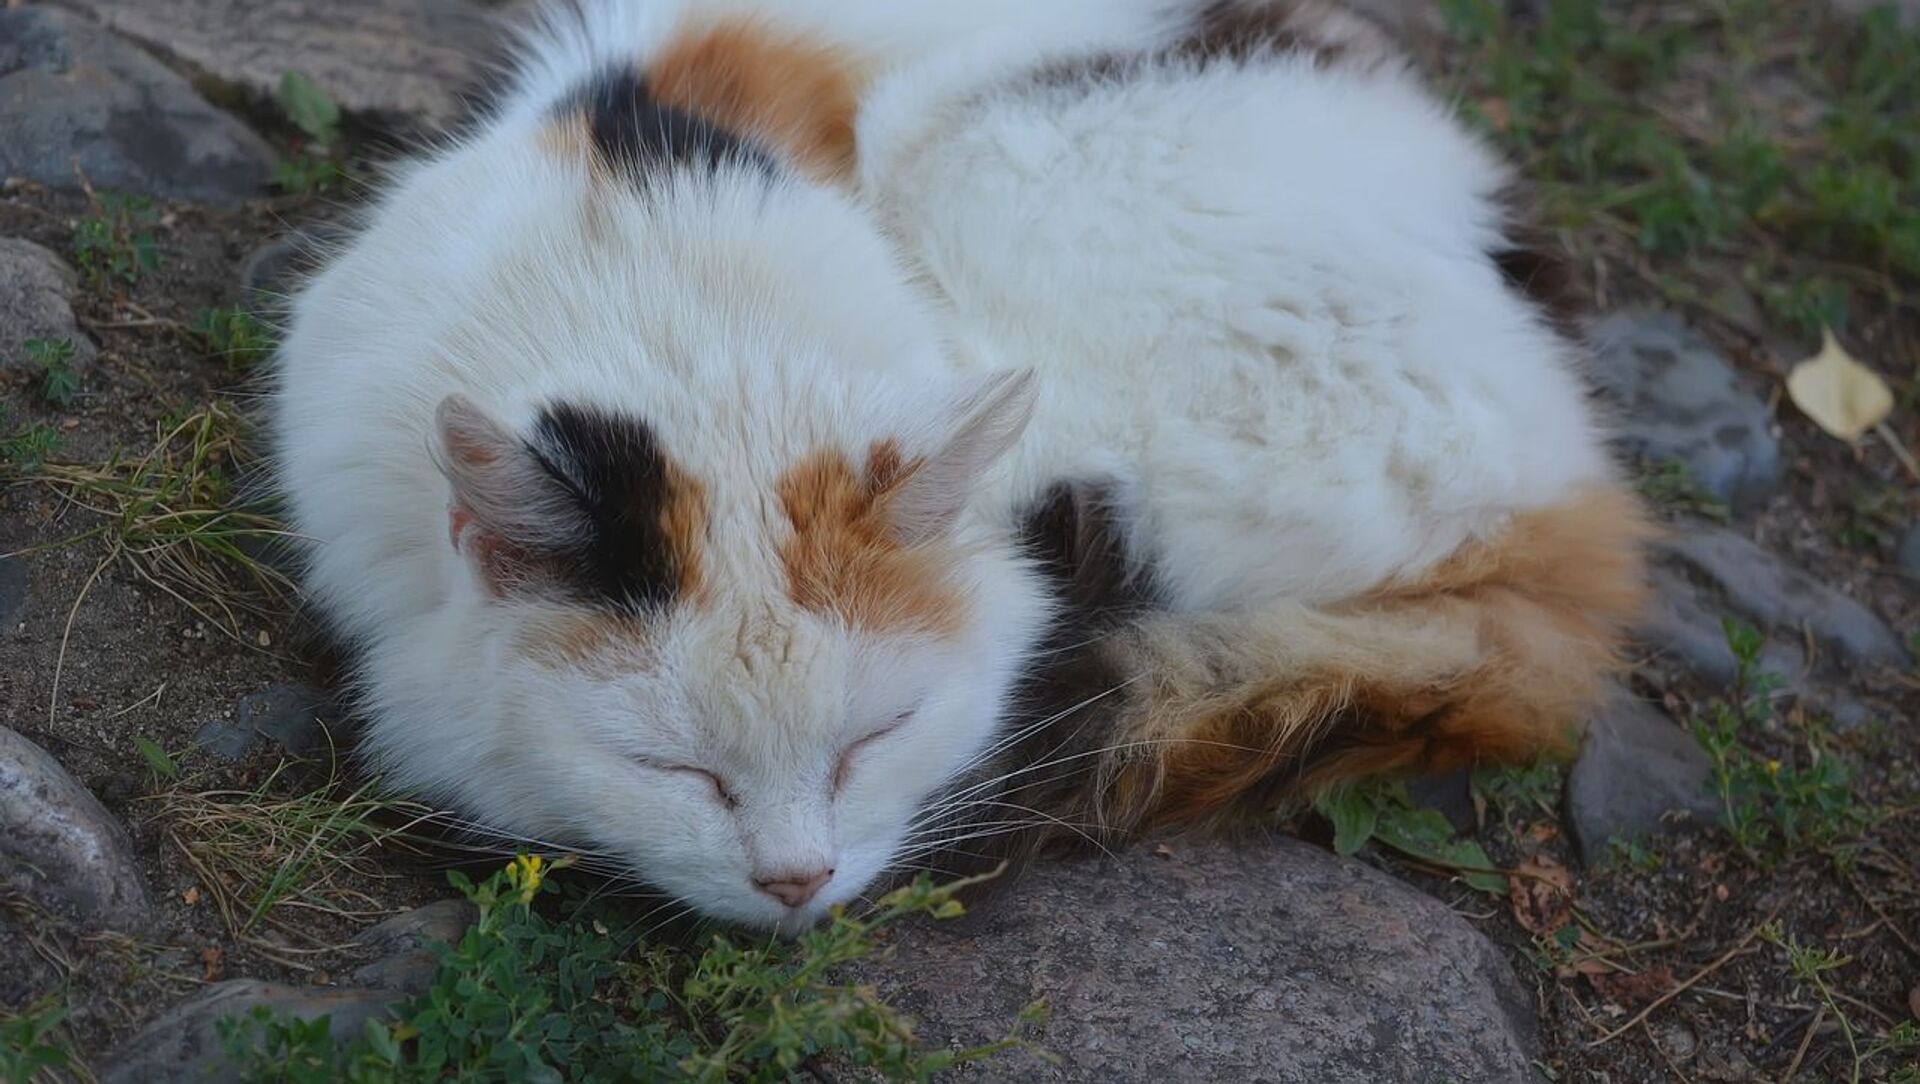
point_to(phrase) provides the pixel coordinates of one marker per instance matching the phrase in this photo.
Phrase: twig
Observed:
(1725, 958)
(1899, 450)
(1660, 1050)
(1800, 1055)
(1892, 926)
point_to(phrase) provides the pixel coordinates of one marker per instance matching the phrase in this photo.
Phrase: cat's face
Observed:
(750, 710)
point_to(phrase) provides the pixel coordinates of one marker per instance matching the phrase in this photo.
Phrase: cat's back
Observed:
(1256, 267)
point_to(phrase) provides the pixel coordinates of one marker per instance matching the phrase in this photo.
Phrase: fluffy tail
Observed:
(1495, 655)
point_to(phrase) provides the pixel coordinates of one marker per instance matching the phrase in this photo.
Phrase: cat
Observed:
(784, 444)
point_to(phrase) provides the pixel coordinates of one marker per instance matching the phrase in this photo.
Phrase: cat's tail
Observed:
(1494, 655)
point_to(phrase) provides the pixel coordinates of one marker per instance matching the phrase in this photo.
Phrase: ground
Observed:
(1748, 172)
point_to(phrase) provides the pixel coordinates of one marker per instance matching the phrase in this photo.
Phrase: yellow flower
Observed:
(524, 875)
(1773, 767)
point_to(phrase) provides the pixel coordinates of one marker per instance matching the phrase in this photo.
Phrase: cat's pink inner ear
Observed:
(980, 428)
(496, 510)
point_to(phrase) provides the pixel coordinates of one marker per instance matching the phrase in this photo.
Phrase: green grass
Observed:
(25, 447)
(33, 1044)
(578, 996)
(1773, 807)
(114, 242)
(1645, 132)
(234, 336)
(1669, 485)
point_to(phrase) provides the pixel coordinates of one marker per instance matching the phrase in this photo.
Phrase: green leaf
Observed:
(309, 107)
(157, 758)
(1354, 815)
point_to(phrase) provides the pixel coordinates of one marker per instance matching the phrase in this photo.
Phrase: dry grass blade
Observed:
(173, 514)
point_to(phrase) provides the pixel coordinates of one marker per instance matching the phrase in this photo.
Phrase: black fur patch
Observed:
(634, 133)
(1532, 264)
(1067, 706)
(612, 467)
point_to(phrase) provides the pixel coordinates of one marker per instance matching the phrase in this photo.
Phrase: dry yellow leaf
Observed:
(1842, 396)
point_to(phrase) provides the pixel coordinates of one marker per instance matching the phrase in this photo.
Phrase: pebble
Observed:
(184, 1045)
(407, 963)
(36, 294)
(1636, 766)
(1771, 591)
(300, 719)
(395, 59)
(70, 90)
(1285, 963)
(60, 847)
(1680, 398)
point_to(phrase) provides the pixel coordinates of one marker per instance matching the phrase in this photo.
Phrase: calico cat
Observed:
(787, 441)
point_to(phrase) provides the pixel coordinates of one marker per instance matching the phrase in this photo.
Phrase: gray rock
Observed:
(70, 91)
(13, 591)
(183, 1045)
(297, 718)
(1636, 768)
(408, 963)
(1678, 398)
(1771, 591)
(36, 298)
(1686, 624)
(392, 58)
(274, 270)
(59, 847)
(1908, 552)
(1275, 963)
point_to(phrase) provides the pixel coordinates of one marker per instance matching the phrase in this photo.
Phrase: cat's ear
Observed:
(507, 513)
(978, 430)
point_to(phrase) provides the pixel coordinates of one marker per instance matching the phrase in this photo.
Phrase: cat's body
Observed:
(664, 466)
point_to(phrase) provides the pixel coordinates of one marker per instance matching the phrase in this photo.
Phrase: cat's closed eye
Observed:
(721, 792)
(844, 767)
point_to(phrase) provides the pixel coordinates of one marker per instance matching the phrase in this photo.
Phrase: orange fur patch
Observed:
(1494, 655)
(843, 556)
(795, 95)
(683, 520)
(597, 644)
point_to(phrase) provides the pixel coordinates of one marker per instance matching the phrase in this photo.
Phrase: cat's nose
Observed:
(794, 889)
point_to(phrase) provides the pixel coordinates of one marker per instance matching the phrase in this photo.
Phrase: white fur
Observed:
(1255, 299)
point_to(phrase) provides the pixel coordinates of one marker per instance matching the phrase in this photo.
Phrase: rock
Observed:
(184, 1045)
(71, 91)
(396, 59)
(1636, 766)
(1680, 399)
(1771, 591)
(36, 296)
(59, 847)
(13, 591)
(408, 963)
(1276, 963)
(274, 270)
(298, 718)
(1908, 552)
(1686, 624)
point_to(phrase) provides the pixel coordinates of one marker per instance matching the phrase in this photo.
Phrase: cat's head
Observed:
(743, 683)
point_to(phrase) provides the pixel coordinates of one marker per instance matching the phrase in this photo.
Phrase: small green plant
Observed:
(525, 997)
(312, 165)
(30, 1044)
(1812, 966)
(113, 243)
(1769, 806)
(1668, 484)
(1531, 790)
(233, 335)
(59, 381)
(1555, 951)
(1635, 854)
(158, 759)
(25, 449)
(1384, 812)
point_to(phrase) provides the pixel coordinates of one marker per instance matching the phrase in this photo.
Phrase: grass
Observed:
(33, 1043)
(25, 447)
(59, 381)
(528, 997)
(1669, 485)
(234, 336)
(273, 855)
(1642, 128)
(114, 243)
(172, 512)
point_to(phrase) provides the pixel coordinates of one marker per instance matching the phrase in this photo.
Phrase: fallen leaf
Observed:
(1842, 396)
(1161, 850)
(1587, 960)
(1543, 832)
(1633, 991)
(1541, 891)
(210, 969)
(191, 896)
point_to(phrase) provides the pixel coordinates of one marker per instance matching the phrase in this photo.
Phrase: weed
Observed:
(313, 165)
(1532, 789)
(1768, 805)
(173, 513)
(1555, 952)
(233, 335)
(25, 449)
(158, 759)
(526, 997)
(1383, 811)
(1668, 484)
(59, 381)
(113, 243)
(1812, 966)
(30, 1043)
(1640, 858)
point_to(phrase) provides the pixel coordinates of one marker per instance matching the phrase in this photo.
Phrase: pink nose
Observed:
(794, 889)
